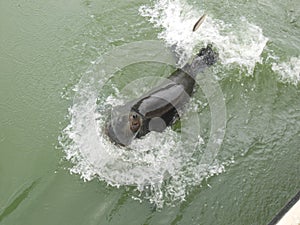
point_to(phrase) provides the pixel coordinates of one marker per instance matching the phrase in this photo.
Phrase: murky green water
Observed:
(45, 49)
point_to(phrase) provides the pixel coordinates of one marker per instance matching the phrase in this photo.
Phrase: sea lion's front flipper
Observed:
(199, 22)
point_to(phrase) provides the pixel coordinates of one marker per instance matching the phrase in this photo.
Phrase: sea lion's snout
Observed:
(134, 121)
(123, 127)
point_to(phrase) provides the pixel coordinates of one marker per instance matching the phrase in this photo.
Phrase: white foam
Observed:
(288, 71)
(162, 166)
(241, 44)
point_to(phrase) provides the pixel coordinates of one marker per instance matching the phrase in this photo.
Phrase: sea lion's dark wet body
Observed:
(160, 107)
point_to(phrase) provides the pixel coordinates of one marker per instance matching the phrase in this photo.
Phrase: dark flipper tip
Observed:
(199, 22)
(209, 55)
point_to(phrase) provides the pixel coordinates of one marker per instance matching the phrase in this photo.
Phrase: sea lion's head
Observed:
(123, 126)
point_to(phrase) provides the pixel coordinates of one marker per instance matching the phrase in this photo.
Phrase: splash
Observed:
(240, 45)
(162, 166)
(288, 71)
(156, 165)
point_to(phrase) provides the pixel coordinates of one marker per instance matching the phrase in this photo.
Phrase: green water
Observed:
(46, 47)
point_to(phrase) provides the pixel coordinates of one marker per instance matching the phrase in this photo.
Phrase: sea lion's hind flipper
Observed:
(208, 55)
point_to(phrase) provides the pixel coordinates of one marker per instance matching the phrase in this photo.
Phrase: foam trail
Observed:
(241, 45)
(288, 71)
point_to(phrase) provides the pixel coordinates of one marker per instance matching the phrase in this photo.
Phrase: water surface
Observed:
(50, 50)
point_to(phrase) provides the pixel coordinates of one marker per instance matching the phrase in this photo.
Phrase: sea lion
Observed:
(158, 108)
